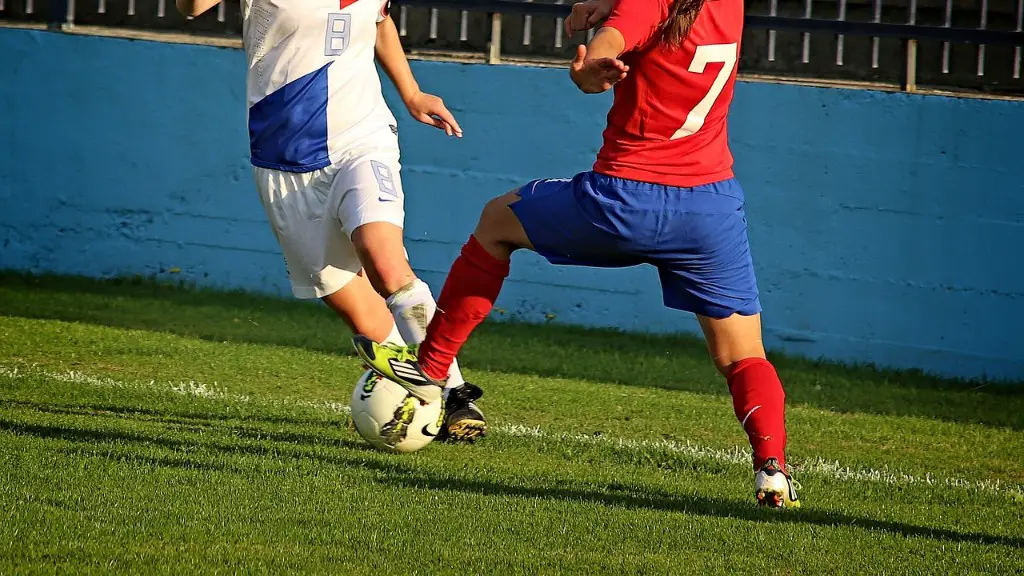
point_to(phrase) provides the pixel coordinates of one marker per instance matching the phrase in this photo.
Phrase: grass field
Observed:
(147, 428)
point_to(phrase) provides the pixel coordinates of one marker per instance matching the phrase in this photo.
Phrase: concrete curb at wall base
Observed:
(886, 227)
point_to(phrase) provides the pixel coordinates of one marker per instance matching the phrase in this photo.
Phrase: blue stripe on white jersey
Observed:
(288, 128)
(312, 85)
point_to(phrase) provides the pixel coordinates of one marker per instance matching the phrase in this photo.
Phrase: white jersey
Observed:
(312, 86)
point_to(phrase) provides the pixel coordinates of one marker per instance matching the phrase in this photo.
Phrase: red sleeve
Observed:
(637, 20)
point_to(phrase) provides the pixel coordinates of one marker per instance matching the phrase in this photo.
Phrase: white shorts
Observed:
(313, 215)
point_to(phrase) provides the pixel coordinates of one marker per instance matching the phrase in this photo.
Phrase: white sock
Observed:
(413, 306)
(395, 337)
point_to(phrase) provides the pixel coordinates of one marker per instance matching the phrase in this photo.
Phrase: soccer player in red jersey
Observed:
(662, 192)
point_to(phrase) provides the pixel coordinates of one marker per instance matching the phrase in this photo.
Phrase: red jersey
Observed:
(667, 124)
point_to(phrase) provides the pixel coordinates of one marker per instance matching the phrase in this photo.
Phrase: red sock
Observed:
(760, 405)
(468, 295)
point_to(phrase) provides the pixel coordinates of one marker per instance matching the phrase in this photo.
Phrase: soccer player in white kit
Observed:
(324, 149)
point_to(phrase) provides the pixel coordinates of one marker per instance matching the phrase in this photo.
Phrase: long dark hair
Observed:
(681, 17)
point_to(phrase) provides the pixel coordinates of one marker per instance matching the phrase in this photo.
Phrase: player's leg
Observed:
(370, 205)
(409, 299)
(711, 274)
(545, 216)
(758, 399)
(320, 260)
(365, 312)
(381, 248)
(477, 274)
(473, 284)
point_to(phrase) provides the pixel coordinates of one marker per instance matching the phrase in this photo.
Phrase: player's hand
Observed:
(593, 76)
(586, 15)
(431, 110)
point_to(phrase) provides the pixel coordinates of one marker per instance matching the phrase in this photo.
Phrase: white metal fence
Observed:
(967, 45)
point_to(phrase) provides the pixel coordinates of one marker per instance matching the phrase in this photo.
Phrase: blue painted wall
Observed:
(887, 228)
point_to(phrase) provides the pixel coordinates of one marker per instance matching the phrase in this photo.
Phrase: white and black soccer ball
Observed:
(391, 419)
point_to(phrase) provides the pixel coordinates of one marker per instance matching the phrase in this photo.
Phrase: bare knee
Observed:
(498, 230)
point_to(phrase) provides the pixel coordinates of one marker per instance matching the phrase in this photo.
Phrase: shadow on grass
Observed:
(671, 362)
(353, 454)
(707, 506)
(248, 442)
(192, 417)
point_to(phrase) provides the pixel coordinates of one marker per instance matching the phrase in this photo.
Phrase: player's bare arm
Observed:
(425, 108)
(194, 7)
(597, 67)
(586, 15)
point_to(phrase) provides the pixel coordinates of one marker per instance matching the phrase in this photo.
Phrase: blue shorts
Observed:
(695, 237)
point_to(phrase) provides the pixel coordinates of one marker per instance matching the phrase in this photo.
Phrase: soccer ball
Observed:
(391, 419)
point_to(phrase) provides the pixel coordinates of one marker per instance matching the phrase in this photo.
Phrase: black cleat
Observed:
(464, 421)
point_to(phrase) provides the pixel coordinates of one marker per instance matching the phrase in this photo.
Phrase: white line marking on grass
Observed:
(741, 456)
(734, 456)
(184, 387)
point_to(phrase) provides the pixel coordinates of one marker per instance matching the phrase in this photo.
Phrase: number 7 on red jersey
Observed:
(702, 56)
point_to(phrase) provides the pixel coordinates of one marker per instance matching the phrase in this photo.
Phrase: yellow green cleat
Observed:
(398, 364)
